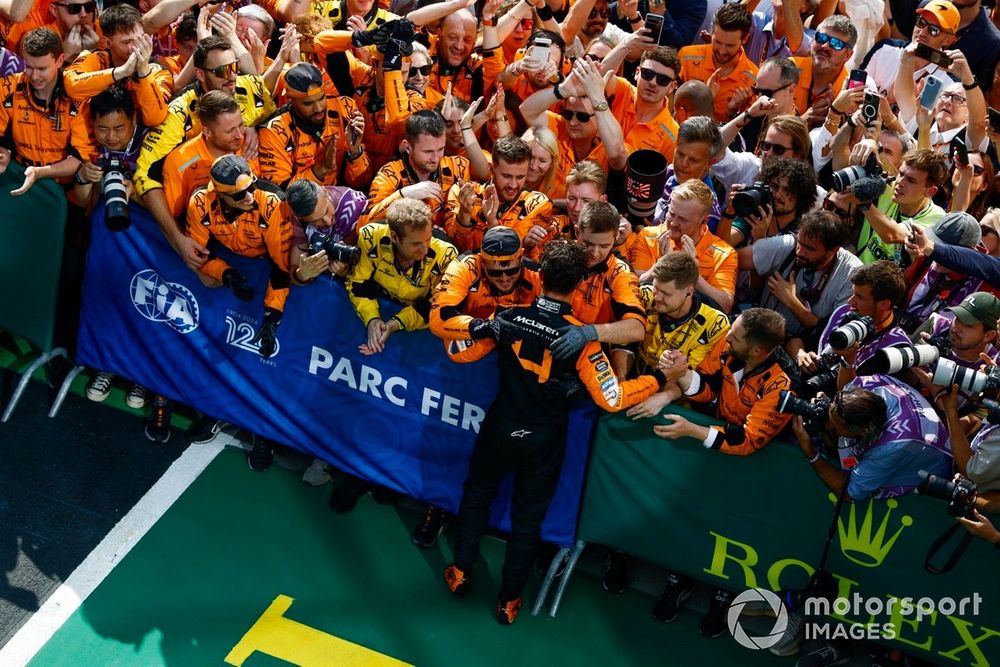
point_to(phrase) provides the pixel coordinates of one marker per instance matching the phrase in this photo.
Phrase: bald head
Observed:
(458, 37)
(693, 98)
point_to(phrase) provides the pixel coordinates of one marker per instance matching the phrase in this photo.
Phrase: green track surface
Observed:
(236, 540)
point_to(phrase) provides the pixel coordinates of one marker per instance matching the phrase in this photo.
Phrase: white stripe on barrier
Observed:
(66, 599)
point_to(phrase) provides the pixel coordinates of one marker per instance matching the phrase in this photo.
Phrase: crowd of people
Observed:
(826, 213)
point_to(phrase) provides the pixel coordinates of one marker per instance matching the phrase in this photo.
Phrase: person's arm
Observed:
(887, 229)
(16, 10)
(960, 448)
(608, 392)
(448, 320)
(86, 77)
(625, 331)
(436, 11)
(62, 169)
(759, 108)
(975, 101)
(681, 21)
(225, 25)
(794, 31)
(969, 261)
(533, 109)
(575, 19)
(829, 474)
(608, 129)
(153, 93)
(906, 96)
(278, 240)
(361, 285)
(961, 195)
(164, 13)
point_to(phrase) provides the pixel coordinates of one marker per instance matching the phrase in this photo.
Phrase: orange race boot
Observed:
(507, 611)
(456, 580)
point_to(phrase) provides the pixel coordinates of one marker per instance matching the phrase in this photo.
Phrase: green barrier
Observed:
(762, 520)
(32, 227)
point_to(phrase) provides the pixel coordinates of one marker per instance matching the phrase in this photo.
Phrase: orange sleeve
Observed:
(493, 65)
(274, 155)
(725, 273)
(197, 229)
(278, 239)
(384, 191)
(760, 426)
(465, 238)
(357, 173)
(91, 73)
(625, 300)
(709, 374)
(332, 41)
(644, 250)
(605, 388)
(447, 318)
(173, 184)
(152, 95)
(466, 352)
(81, 136)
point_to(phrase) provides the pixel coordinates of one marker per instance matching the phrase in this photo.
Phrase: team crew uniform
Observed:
(38, 135)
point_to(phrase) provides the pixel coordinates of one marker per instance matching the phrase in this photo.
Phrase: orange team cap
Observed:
(231, 173)
(303, 80)
(500, 244)
(945, 14)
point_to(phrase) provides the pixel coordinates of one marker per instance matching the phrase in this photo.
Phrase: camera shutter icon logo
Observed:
(756, 598)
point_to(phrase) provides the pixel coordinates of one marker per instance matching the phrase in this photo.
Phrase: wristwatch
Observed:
(600, 106)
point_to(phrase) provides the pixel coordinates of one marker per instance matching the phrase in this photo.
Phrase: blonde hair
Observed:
(693, 190)
(545, 138)
(406, 213)
(588, 171)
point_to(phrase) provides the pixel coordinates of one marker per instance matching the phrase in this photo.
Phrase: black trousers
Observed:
(535, 457)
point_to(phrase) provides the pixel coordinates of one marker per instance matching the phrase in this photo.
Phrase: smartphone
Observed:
(959, 150)
(858, 79)
(870, 106)
(932, 55)
(932, 90)
(654, 24)
(994, 119)
(540, 49)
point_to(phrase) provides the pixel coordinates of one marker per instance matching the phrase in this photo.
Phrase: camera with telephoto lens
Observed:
(814, 415)
(115, 193)
(948, 373)
(825, 378)
(867, 183)
(335, 250)
(891, 360)
(960, 492)
(749, 199)
(854, 329)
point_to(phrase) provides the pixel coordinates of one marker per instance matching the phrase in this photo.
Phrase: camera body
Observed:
(335, 250)
(114, 191)
(854, 329)
(960, 493)
(866, 182)
(814, 414)
(749, 199)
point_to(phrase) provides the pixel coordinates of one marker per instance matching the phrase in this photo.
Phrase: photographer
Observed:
(968, 260)
(326, 217)
(977, 460)
(118, 138)
(887, 433)
(792, 192)
(808, 275)
(907, 205)
(876, 290)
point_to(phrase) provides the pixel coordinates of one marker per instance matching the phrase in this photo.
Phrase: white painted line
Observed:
(66, 599)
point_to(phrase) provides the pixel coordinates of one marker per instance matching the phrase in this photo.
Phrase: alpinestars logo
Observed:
(160, 301)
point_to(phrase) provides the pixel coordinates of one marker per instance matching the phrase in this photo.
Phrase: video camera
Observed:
(335, 250)
(814, 414)
(867, 183)
(960, 492)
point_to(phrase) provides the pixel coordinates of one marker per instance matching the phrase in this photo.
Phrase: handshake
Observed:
(393, 39)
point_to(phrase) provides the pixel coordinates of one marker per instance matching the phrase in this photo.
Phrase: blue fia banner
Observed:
(406, 418)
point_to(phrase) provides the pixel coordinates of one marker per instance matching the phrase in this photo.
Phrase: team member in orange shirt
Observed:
(686, 228)
(607, 300)
(723, 64)
(125, 62)
(73, 22)
(648, 123)
(250, 218)
(585, 127)
(822, 75)
(44, 129)
(422, 172)
(470, 75)
(316, 136)
(473, 207)
(187, 167)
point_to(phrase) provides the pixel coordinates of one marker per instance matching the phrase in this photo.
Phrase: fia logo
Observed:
(241, 334)
(160, 301)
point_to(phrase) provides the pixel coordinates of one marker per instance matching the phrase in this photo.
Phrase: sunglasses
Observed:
(527, 24)
(224, 71)
(768, 93)
(953, 97)
(496, 273)
(74, 9)
(835, 43)
(661, 79)
(581, 116)
(242, 194)
(593, 57)
(932, 30)
(603, 13)
(422, 71)
(777, 149)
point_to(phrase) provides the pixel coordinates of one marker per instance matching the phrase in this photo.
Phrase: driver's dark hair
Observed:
(563, 264)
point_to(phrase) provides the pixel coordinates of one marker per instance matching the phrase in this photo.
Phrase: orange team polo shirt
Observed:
(566, 156)
(187, 168)
(803, 91)
(697, 65)
(717, 262)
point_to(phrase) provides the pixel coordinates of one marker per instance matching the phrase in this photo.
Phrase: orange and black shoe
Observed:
(456, 580)
(507, 611)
